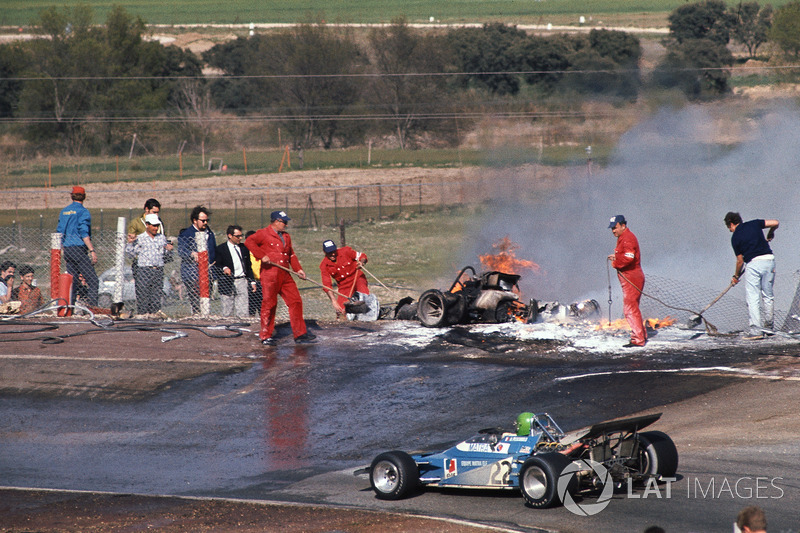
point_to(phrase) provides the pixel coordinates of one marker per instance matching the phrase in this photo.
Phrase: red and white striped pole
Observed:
(202, 270)
(55, 263)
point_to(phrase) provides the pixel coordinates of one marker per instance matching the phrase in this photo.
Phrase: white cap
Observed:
(152, 219)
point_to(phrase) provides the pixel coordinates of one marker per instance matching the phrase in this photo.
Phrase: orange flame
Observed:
(622, 324)
(505, 260)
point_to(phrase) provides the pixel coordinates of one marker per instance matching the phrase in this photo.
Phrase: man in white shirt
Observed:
(235, 275)
(150, 249)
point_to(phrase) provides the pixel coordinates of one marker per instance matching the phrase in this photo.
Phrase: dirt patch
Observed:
(398, 185)
(28, 510)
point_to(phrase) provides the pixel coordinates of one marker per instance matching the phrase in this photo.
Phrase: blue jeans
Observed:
(759, 276)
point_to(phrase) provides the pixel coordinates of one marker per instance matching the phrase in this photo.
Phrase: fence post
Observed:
(235, 211)
(399, 198)
(119, 259)
(380, 200)
(420, 196)
(202, 272)
(358, 204)
(335, 211)
(262, 211)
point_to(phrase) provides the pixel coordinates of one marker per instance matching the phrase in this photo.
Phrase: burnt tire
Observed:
(657, 454)
(432, 309)
(393, 475)
(502, 313)
(538, 479)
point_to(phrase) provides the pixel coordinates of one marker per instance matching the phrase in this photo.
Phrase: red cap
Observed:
(78, 190)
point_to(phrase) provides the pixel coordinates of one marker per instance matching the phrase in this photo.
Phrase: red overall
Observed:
(627, 261)
(349, 278)
(267, 246)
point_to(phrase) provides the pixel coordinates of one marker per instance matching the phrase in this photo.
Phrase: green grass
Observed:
(21, 12)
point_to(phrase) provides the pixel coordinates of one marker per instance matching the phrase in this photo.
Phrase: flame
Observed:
(650, 323)
(505, 259)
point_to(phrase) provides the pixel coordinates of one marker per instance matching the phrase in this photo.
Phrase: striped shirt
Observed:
(148, 251)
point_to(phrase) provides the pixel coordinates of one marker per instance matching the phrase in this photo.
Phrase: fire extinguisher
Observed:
(65, 294)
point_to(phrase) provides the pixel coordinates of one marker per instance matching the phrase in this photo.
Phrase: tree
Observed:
(92, 86)
(486, 54)
(708, 19)
(751, 25)
(696, 67)
(403, 90)
(785, 29)
(545, 59)
(317, 89)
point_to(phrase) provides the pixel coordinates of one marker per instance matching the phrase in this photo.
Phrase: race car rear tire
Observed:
(538, 479)
(393, 475)
(432, 309)
(657, 454)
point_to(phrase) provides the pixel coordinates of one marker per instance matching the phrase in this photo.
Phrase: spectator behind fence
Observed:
(151, 250)
(29, 295)
(7, 270)
(234, 274)
(187, 250)
(75, 226)
(138, 225)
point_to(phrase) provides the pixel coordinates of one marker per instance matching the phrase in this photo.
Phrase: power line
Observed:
(388, 75)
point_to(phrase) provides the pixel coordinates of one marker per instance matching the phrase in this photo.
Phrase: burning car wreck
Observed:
(488, 297)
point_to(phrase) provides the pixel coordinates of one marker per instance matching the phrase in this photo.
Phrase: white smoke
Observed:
(674, 185)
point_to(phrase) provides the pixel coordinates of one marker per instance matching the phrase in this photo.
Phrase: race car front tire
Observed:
(538, 479)
(657, 454)
(393, 475)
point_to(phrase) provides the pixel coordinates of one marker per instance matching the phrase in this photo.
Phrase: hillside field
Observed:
(641, 13)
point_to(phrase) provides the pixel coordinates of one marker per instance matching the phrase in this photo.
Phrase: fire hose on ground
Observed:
(696, 318)
(352, 305)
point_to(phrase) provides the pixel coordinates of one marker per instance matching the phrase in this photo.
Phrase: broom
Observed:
(352, 305)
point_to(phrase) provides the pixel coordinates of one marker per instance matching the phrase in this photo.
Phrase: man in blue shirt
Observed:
(75, 226)
(752, 250)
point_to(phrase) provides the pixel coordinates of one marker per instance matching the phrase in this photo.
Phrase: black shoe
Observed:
(305, 338)
(272, 341)
(631, 345)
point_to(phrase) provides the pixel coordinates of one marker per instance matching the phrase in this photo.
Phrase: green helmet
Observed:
(524, 423)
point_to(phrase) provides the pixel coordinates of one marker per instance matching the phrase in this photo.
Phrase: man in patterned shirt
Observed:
(150, 249)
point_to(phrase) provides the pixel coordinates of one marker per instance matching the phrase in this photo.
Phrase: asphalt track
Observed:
(222, 418)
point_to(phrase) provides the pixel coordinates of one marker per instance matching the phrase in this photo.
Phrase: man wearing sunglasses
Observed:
(235, 274)
(187, 250)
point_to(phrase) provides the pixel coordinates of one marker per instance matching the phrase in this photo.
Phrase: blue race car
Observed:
(533, 459)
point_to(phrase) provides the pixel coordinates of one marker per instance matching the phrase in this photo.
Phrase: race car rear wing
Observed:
(631, 425)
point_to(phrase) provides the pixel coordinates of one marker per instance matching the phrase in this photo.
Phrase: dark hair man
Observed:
(626, 259)
(30, 297)
(235, 274)
(187, 250)
(754, 255)
(273, 247)
(7, 269)
(75, 226)
(751, 520)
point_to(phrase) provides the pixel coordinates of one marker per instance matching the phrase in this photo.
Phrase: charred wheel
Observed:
(436, 308)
